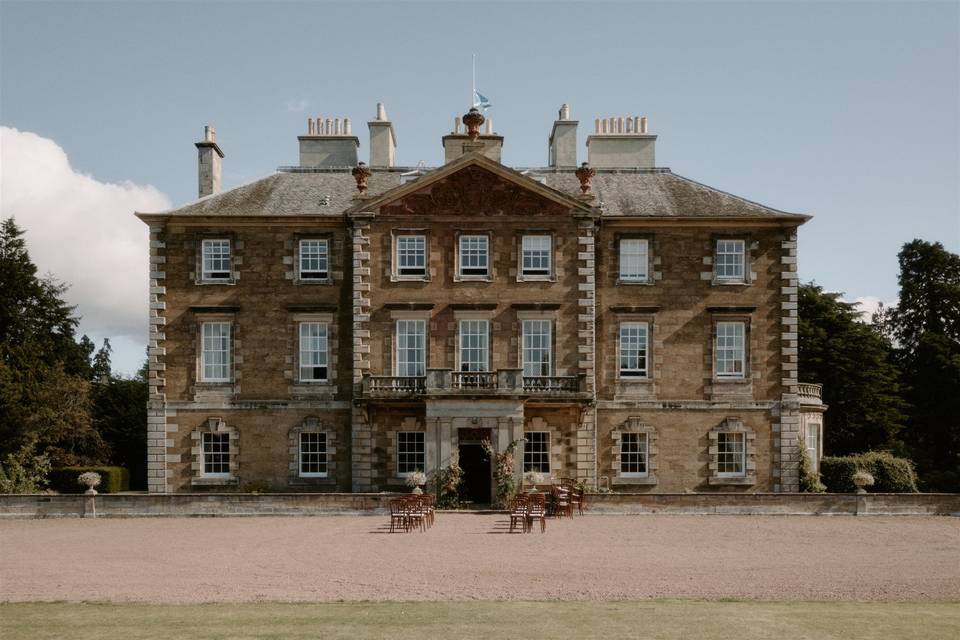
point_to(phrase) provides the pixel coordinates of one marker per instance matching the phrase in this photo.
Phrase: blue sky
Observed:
(849, 111)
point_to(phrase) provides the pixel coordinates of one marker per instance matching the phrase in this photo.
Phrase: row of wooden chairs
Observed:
(412, 511)
(526, 509)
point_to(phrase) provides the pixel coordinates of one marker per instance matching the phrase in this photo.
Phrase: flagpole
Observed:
(473, 87)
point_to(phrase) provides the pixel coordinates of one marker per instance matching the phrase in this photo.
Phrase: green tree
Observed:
(120, 416)
(854, 362)
(926, 326)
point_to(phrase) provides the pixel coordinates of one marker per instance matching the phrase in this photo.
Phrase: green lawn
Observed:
(440, 620)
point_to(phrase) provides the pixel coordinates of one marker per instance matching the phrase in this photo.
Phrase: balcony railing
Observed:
(810, 392)
(551, 384)
(441, 382)
(473, 379)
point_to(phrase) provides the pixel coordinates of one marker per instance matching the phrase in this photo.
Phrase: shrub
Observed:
(113, 479)
(23, 472)
(809, 479)
(891, 474)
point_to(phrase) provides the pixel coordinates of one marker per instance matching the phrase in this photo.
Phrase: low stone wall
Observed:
(319, 504)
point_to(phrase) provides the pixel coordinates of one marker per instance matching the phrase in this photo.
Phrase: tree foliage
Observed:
(854, 362)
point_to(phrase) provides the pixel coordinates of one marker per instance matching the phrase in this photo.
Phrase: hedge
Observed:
(891, 474)
(112, 479)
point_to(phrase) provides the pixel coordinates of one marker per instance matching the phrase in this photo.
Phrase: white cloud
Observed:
(82, 231)
(296, 106)
(868, 305)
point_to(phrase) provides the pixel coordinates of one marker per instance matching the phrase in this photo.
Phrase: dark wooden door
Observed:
(475, 463)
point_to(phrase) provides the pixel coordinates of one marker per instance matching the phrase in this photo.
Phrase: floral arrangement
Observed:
(89, 479)
(862, 479)
(416, 478)
(502, 471)
(533, 478)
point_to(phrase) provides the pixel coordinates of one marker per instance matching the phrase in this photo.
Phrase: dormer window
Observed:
(216, 260)
(314, 259)
(411, 256)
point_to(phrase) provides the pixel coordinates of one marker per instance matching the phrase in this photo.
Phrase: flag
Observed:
(480, 100)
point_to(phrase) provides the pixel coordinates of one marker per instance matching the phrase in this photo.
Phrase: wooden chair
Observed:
(537, 510)
(581, 500)
(518, 513)
(416, 514)
(398, 515)
(561, 502)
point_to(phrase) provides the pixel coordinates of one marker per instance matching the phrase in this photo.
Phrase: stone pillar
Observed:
(586, 440)
(158, 477)
(787, 459)
(362, 437)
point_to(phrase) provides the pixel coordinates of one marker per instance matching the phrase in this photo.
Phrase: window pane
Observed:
(216, 453)
(634, 259)
(474, 257)
(730, 258)
(215, 352)
(313, 259)
(730, 349)
(537, 347)
(536, 255)
(313, 351)
(633, 454)
(411, 255)
(216, 259)
(411, 347)
(313, 454)
(536, 451)
(474, 345)
(731, 454)
(410, 451)
(633, 349)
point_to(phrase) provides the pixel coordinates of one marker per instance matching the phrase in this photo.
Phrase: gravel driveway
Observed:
(472, 557)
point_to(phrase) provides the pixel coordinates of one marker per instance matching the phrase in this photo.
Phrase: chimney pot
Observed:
(565, 112)
(347, 127)
(381, 112)
(643, 124)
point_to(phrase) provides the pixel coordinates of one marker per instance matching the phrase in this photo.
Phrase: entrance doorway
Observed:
(475, 463)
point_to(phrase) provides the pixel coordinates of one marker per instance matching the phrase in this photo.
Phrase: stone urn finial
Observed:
(585, 175)
(361, 174)
(473, 119)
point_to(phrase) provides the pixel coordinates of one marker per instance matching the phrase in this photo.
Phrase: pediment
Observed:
(473, 186)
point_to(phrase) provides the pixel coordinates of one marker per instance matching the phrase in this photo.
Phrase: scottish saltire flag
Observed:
(480, 100)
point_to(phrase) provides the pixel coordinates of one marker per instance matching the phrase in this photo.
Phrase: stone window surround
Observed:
(624, 318)
(518, 239)
(408, 314)
(213, 424)
(394, 267)
(538, 315)
(653, 259)
(307, 386)
(749, 246)
(733, 424)
(312, 424)
(556, 444)
(486, 315)
(236, 359)
(236, 257)
(634, 424)
(429, 449)
(491, 268)
(329, 237)
(631, 387)
(743, 384)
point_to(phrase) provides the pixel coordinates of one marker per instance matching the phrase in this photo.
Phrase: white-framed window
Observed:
(313, 351)
(536, 258)
(411, 256)
(215, 258)
(474, 256)
(634, 454)
(634, 259)
(313, 454)
(731, 454)
(411, 347)
(634, 349)
(730, 350)
(215, 352)
(474, 345)
(411, 452)
(216, 454)
(812, 444)
(536, 451)
(537, 348)
(314, 259)
(730, 260)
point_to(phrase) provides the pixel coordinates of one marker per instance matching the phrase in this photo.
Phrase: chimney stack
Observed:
(562, 147)
(383, 140)
(328, 143)
(621, 143)
(208, 163)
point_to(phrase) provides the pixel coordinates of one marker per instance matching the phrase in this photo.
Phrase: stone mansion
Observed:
(338, 324)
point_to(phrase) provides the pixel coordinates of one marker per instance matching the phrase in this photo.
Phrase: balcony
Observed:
(810, 393)
(449, 383)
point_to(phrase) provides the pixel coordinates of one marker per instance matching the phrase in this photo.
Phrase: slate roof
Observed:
(654, 193)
